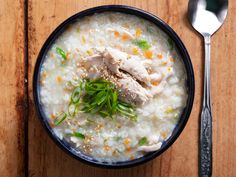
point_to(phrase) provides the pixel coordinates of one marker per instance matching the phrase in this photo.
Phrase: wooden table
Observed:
(25, 147)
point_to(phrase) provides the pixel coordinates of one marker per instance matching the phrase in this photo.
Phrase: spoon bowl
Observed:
(207, 16)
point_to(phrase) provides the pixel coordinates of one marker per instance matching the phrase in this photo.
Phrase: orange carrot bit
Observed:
(155, 83)
(159, 56)
(138, 32)
(59, 79)
(67, 55)
(125, 37)
(148, 54)
(171, 59)
(53, 116)
(44, 74)
(164, 63)
(107, 148)
(128, 149)
(52, 124)
(135, 51)
(126, 141)
(116, 34)
(164, 134)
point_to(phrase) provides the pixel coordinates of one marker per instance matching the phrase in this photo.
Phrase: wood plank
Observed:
(46, 159)
(12, 100)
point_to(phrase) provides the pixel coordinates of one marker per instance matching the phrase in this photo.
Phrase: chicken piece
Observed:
(150, 148)
(110, 65)
(92, 65)
(117, 60)
(154, 138)
(112, 62)
(155, 77)
(94, 60)
(131, 91)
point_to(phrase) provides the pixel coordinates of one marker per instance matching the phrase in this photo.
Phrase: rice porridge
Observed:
(113, 86)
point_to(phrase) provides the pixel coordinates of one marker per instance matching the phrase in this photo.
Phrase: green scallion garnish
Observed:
(75, 96)
(97, 97)
(60, 118)
(61, 53)
(142, 44)
(78, 135)
(143, 141)
(72, 109)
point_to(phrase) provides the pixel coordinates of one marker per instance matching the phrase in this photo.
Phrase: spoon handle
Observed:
(206, 118)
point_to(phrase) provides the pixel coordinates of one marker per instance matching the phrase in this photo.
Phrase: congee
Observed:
(113, 86)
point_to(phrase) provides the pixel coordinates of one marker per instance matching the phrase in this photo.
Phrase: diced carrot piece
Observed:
(59, 79)
(135, 51)
(125, 37)
(53, 116)
(117, 34)
(164, 63)
(107, 148)
(128, 149)
(159, 56)
(171, 59)
(148, 54)
(155, 83)
(138, 32)
(126, 141)
(164, 134)
(44, 74)
(52, 124)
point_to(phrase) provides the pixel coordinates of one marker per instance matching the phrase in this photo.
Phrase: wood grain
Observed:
(47, 160)
(12, 99)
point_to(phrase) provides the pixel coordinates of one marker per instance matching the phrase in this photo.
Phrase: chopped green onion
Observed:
(99, 96)
(78, 135)
(75, 96)
(142, 44)
(114, 101)
(61, 52)
(104, 114)
(143, 141)
(91, 121)
(60, 118)
(127, 110)
(72, 109)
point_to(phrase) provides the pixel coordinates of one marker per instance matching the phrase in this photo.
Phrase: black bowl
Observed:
(182, 51)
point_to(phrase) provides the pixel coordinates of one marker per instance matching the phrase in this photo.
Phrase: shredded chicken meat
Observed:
(128, 73)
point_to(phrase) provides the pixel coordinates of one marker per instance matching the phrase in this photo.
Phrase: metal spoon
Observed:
(206, 17)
